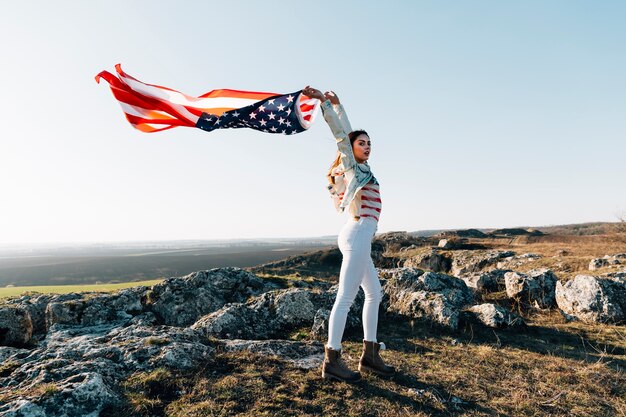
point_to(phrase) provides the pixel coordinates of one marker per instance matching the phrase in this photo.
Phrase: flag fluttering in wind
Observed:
(152, 108)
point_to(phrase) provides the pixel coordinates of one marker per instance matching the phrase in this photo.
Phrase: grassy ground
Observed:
(550, 368)
(568, 256)
(64, 289)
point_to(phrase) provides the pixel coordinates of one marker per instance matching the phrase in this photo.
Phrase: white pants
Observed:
(357, 268)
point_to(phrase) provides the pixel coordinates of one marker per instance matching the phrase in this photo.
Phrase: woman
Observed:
(353, 185)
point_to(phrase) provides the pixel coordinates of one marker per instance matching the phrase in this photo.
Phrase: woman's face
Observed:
(361, 148)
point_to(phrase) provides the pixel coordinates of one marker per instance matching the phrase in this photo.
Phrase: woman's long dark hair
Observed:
(355, 134)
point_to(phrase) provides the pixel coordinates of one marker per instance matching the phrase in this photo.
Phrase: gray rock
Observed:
(485, 282)
(431, 260)
(593, 299)
(84, 394)
(466, 262)
(414, 293)
(96, 308)
(268, 315)
(607, 260)
(36, 305)
(618, 276)
(598, 263)
(181, 301)
(515, 261)
(83, 365)
(16, 326)
(492, 315)
(534, 287)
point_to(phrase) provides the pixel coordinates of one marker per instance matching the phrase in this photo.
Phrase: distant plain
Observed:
(81, 267)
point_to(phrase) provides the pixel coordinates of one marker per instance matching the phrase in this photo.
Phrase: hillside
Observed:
(229, 341)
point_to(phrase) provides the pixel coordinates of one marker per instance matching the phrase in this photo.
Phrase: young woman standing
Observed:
(353, 185)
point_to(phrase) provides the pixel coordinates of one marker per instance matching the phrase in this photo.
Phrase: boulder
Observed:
(598, 263)
(511, 262)
(263, 317)
(181, 301)
(593, 299)
(432, 260)
(466, 262)
(492, 315)
(96, 308)
(16, 326)
(607, 260)
(438, 297)
(536, 287)
(485, 282)
(37, 304)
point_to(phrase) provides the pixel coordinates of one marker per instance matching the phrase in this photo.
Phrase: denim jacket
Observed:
(350, 176)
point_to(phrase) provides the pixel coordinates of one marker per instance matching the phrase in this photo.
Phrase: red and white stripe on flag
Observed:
(152, 108)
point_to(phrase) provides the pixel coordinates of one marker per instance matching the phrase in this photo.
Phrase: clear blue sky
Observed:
(481, 114)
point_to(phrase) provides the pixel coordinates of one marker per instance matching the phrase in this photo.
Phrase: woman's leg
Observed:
(373, 296)
(350, 276)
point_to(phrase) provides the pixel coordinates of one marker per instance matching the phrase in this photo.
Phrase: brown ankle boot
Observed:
(335, 368)
(371, 360)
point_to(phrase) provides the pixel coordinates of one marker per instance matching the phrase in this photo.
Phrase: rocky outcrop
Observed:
(492, 315)
(177, 301)
(593, 299)
(431, 259)
(466, 262)
(465, 233)
(438, 297)
(93, 309)
(486, 282)
(16, 326)
(90, 342)
(607, 260)
(534, 288)
(75, 369)
(265, 316)
(181, 301)
(512, 262)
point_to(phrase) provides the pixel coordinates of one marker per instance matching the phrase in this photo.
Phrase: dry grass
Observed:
(550, 368)
(577, 251)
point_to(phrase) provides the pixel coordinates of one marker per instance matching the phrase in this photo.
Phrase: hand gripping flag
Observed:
(152, 108)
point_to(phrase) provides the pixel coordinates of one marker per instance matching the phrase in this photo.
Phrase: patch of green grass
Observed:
(157, 341)
(65, 289)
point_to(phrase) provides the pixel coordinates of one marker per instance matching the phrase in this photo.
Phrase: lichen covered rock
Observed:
(593, 299)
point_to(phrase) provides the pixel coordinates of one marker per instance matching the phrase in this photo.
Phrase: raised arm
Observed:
(339, 127)
(338, 107)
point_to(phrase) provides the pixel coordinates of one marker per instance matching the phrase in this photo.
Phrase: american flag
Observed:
(152, 108)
